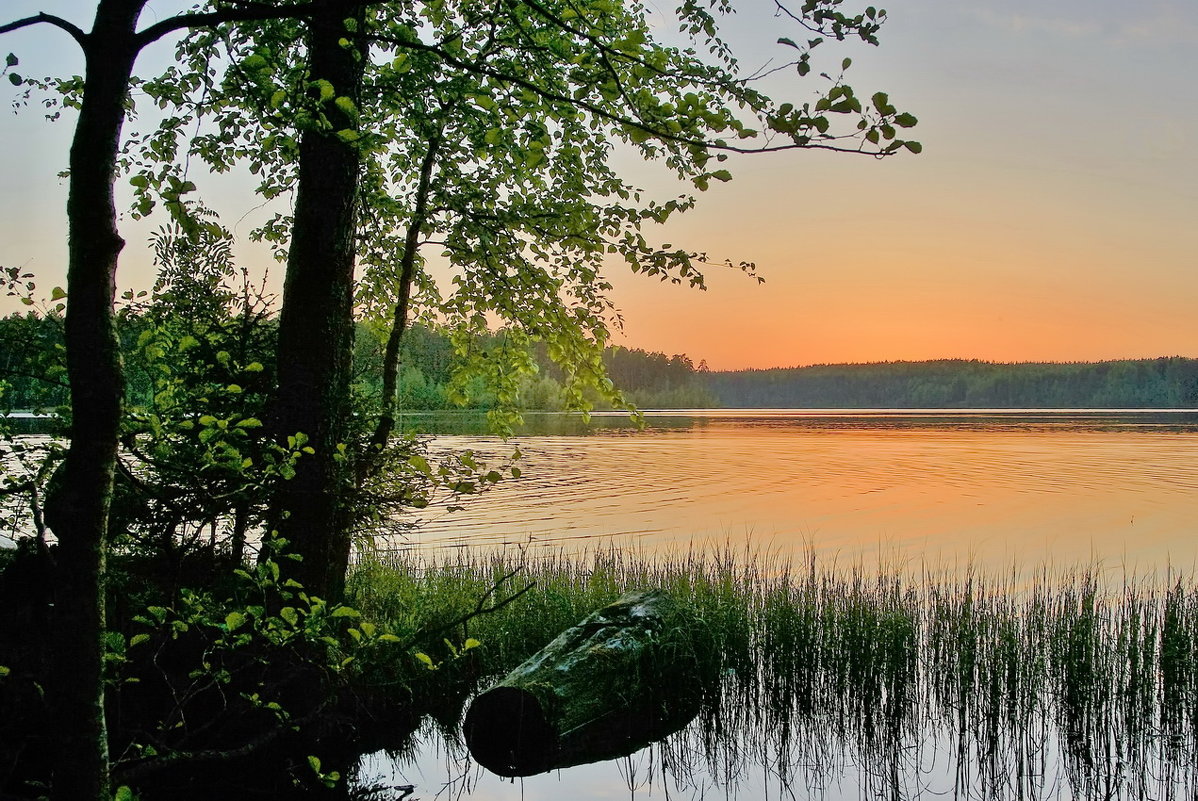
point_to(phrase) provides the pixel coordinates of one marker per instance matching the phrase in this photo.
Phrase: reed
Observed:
(1016, 681)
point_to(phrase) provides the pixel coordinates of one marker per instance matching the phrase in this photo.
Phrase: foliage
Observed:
(211, 671)
(650, 380)
(32, 364)
(488, 130)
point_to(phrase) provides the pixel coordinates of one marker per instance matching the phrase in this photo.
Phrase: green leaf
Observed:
(905, 120)
(314, 763)
(138, 639)
(345, 611)
(123, 793)
(881, 101)
(289, 614)
(914, 147)
(11, 60)
(14, 79)
(57, 293)
(234, 620)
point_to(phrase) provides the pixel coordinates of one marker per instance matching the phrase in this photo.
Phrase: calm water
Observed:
(991, 487)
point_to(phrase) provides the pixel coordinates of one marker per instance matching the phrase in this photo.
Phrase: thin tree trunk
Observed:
(315, 344)
(407, 272)
(77, 511)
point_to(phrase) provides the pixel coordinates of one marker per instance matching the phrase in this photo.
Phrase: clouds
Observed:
(1016, 22)
(1120, 24)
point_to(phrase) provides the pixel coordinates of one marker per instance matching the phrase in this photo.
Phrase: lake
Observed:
(913, 489)
(936, 488)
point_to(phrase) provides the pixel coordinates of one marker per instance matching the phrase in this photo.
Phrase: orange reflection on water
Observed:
(916, 488)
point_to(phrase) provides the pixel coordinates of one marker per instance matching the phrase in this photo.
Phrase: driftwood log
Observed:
(628, 675)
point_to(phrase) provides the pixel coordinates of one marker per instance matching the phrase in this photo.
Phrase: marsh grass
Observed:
(1013, 682)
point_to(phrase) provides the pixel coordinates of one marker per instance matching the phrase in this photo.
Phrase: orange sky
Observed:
(1050, 217)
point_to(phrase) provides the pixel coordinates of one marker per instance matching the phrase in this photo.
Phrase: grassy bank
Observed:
(822, 668)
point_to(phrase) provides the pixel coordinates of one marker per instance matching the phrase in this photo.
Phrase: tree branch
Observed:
(76, 33)
(148, 765)
(480, 609)
(35, 376)
(247, 12)
(658, 133)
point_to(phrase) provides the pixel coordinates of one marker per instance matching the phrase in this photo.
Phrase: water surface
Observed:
(988, 488)
(1054, 487)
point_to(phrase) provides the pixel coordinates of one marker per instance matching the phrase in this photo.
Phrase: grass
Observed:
(821, 668)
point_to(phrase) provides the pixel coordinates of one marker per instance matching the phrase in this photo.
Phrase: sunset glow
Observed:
(1050, 216)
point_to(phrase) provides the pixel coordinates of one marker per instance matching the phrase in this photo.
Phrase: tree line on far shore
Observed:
(1163, 383)
(31, 373)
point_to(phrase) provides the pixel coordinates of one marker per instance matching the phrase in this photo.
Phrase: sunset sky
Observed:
(1053, 214)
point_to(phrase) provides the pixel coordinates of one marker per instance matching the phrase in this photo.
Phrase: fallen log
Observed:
(628, 675)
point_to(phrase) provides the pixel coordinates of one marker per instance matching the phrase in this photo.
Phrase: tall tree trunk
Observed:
(315, 344)
(77, 511)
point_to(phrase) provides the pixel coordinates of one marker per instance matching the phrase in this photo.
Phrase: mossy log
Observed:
(628, 675)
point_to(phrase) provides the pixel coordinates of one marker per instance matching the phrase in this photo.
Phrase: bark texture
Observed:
(77, 511)
(628, 675)
(315, 344)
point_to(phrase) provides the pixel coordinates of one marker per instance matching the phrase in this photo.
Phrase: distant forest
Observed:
(32, 377)
(959, 384)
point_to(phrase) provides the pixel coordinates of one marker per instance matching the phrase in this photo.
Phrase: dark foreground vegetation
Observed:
(251, 688)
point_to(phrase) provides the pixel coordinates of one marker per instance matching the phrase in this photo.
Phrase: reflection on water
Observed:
(860, 685)
(988, 486)
(1063, 699)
